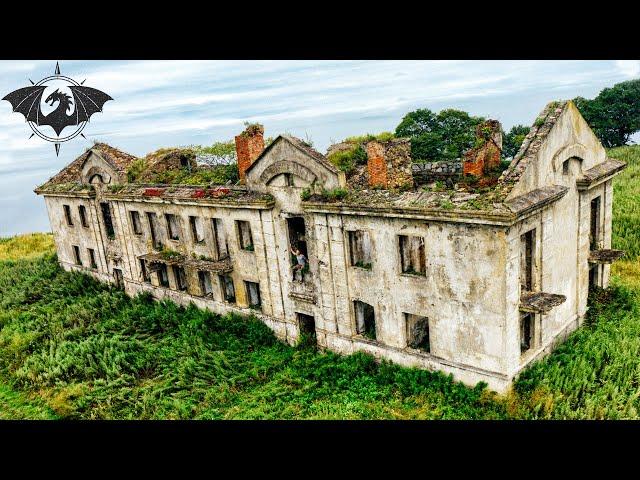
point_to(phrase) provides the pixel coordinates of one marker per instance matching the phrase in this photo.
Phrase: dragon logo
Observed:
(75, 105)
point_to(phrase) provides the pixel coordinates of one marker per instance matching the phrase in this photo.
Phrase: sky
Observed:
(177, 103)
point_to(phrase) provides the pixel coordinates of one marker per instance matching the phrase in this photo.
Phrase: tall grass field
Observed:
(71, 347)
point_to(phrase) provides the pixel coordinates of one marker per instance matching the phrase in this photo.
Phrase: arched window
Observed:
(96, 178)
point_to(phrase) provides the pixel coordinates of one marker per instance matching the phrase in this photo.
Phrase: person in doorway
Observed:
(301, 263)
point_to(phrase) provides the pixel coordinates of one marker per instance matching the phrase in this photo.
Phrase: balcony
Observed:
(605, 256)
(540, 302)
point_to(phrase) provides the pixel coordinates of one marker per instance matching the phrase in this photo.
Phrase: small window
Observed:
(526, 331)
(594, 228)
(83, 216)
(288, 180)
(365, 319)
(360, 248)
(206, 289)
(565, 167)
(92, 258)
(180, 277)
(417, 332)
(220, 240)
(228, 290)
(412, 257)
(172, 226)
(163, 276)
(253, 294)
(136, 223)
(196, 229)
(152, 219)
(76, 255)
(526, 260)
(108, 222)
(245, 240)
(144, 272)
(67, 215)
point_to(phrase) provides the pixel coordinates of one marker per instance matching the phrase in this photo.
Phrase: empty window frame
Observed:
(594, 227)
(135, 222)
(245, 240)
(144, 272)
(220, 239)
(417, 332)
(180, 277)
(67, 215)
(197, 234)
(92, 258)
(206, 288)
(527, 246)
(82, 210)
(163, 276)
(106, 216)
(365, 319)
(412, 255)
(526, 331)
(253, 294)
(565, 167)
(152, 219)
(228, 289)
(76, 255)
(360, 248)
(173, 226)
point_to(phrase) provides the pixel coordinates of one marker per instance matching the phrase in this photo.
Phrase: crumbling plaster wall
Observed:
(463, 292)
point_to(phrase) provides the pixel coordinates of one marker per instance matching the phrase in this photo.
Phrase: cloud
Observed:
(629, 68)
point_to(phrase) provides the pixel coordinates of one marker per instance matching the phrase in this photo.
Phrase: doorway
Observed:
(307, 328)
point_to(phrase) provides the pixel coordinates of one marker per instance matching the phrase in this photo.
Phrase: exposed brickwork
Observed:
(485, 157)
(249, 146)
(389, 163)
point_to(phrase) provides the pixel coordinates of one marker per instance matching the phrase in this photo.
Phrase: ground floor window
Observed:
(163, 276)
(92, 258)
(365, 319)
(253, 294)
(180, 277)
(594, 277)
(228, 289)
(417, 332)
(76, 255)
(526, 331)
(144, 272)
(206, 288)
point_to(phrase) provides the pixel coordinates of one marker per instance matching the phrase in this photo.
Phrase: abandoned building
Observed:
(475, 278)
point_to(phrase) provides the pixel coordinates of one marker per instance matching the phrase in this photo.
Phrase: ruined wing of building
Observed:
(474, 282)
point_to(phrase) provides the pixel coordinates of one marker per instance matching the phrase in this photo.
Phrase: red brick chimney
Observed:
(249, 146)
(389, 163)
(486, 156)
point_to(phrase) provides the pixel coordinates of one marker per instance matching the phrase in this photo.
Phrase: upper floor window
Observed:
(245, 240)
(527, 246)
(136, 223)
(67, 215)
(412, 256)
(196, 229)
(565, 167)
(220, 239)
(108, 222)
(83, 215)
(173, 227)
(360, 248)
(152, 218)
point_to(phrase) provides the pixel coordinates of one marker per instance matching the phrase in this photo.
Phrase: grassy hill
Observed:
(71, 347)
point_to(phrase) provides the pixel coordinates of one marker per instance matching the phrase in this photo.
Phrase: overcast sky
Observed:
(174, 103)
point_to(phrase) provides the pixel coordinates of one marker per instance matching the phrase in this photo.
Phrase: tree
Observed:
(614, 115)
(513, 139)
(443, 136)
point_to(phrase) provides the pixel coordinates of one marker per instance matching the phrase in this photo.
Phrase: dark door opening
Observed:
(117, 274)
(307, 328)
(297, 234)
(594, 277)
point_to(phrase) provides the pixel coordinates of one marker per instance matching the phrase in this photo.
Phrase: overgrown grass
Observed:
(26, 246)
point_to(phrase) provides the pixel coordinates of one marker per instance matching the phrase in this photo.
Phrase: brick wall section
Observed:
(389, 163)
(486, 156)
(249, 146)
